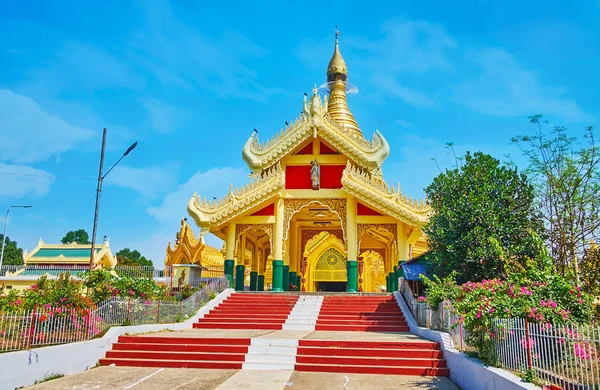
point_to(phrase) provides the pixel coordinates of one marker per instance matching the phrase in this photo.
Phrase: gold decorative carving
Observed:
(236, 202)
(307, 234)
(268, 228)
(363, 228)
(374, 271)
(373, 191)
(190, 250)
(292, 206)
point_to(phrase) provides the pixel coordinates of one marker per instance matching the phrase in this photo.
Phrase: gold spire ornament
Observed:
(337, 79)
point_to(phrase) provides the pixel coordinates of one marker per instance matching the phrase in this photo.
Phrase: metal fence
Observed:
(46, 325)
(443, 318)
(567, 356)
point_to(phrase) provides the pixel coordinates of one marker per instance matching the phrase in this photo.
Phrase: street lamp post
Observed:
(6, 226)
(99, 190)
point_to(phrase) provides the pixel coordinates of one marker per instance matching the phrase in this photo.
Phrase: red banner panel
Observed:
(331, 175)
(269, 210)
(361, 209)
(308, 149)
(325, 149)
(298, 177)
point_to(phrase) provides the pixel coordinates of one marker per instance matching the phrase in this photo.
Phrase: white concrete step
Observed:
(271, 354)
(304, 314)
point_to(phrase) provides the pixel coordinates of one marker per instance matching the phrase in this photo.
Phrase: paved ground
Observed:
(109, 378)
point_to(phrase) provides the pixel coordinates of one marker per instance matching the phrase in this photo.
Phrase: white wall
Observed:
(23, 368)
(466, 372)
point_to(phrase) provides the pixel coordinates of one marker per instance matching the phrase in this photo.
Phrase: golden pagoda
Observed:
(191, 250)
(317, 213)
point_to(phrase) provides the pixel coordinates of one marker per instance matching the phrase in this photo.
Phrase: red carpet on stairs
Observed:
(422, 358)
(178, 352)
(249, 311)
(361, 313)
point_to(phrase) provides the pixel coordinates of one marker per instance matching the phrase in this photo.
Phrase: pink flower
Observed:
(580, 352)
(130, 292)
(18, 302)
(478, 314)
(578, 288)
(422, 299)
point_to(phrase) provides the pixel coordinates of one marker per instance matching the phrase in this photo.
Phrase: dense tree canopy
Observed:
(130, 257)
(13, 255)
(484, 215)
(78, 236)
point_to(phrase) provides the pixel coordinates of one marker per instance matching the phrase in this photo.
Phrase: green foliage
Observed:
(483, 212)
(212, 296)
(590, 271)
(537, 295)
(78, 236)
(439, 290)
(566, 174)
(13, 255)
(128, 257)
(62, 292)
(103, 284)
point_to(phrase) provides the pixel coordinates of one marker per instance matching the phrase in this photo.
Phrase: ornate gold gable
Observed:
(190, 250)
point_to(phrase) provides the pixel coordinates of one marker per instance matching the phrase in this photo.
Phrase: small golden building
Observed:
(317, 213)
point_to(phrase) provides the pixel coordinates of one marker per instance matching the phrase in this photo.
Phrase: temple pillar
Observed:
(229, 253)
(392, 276)
(253, 280)
(285, 280)
(278, 247)
(351, 243)
(293, 247)
(260, 283)
(402, 251)
(293, 278)
(240, 270)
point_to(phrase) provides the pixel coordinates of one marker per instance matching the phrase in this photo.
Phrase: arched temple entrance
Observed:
(324, 265)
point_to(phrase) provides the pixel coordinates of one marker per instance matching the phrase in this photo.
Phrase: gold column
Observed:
(241, 258)
(293, 249)
(402, 243)
(230, 243)
(278, 239)
(351, 239)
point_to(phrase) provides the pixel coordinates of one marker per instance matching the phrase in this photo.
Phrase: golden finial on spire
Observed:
(337, 79)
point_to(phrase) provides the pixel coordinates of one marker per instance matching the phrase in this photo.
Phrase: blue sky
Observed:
(191, 81)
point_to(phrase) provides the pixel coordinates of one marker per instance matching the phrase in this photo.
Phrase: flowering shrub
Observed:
(547, 298)
(103, 284)
(62, 294)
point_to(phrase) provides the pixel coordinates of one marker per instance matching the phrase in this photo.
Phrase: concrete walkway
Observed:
(109, 378)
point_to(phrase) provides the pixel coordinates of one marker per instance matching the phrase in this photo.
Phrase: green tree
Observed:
(13, 255)
(566, 174)
(590, 270)
(130, 257)
(78, 236)
(483, 214)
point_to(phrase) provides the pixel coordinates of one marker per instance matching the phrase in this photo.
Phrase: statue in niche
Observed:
(315, 174)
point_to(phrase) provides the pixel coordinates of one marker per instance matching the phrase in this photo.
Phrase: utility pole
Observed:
(101, 177)
(98, 192)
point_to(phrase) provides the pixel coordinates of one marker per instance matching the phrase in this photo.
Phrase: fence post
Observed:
(180, 304)
(129, 309)
(32, 327)
(528, 345)
(158, 313)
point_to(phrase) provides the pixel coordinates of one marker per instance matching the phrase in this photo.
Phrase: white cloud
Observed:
(17, 181)
(29, 134)
(504, 88)
(181, 55)
(407, 95)
(212, 183)
(148, 181)
(165, 118)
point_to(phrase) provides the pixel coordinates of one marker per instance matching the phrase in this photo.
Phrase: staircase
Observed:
(304, 314)
(422, 358)
(361, 313)
(177, 352)
(249, 311)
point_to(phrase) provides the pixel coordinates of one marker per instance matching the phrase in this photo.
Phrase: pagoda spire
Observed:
(337, 78)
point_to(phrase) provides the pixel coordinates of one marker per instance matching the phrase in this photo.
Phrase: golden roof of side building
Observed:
(188, 249)
(69, 254)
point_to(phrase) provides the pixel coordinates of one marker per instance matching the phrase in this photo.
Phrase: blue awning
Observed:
(413, 269)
